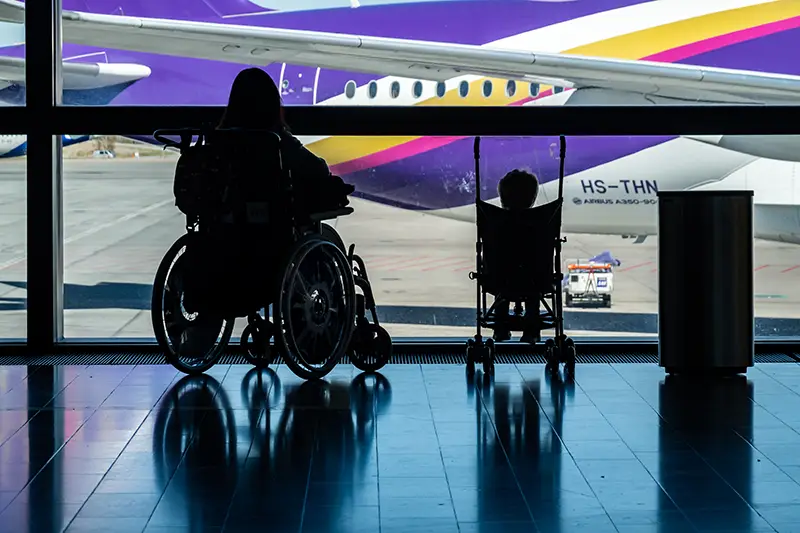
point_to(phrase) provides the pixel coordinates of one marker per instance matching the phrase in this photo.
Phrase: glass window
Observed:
(441, 89)
(395, 89)
(373, 89)
(120, 219)
(417, 89)
(463, 89)
(557, 89)
(167, 75)
(12, 46)
(13, 231)
(487, 88)
(13, 189)
(350, 89)
(511, 88)
(534, 89)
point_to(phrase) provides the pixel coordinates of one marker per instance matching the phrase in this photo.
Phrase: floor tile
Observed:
(622, 449)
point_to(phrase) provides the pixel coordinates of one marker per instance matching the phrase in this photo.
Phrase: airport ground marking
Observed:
(407, 263)
(445, 262)
(632, 267)
(95, 229)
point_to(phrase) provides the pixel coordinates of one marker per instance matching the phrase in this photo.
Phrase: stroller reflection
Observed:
(518, 425)
(263, 458)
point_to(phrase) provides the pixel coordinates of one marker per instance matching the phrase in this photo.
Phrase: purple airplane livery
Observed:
(468, 53)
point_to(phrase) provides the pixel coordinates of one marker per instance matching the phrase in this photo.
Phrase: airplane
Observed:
(468, 52)
(17, 145)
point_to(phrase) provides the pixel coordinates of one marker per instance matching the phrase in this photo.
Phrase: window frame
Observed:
(44, 120)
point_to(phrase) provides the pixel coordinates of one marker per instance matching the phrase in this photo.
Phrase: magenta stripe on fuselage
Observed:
(723, 41)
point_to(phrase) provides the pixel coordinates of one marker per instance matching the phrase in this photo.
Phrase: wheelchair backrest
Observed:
(519, 248)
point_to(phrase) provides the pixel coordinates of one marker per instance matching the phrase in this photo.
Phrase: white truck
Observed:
(589, 282)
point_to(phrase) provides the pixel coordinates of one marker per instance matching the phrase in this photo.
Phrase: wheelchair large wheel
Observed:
(316, 308)
(330, 234)
(191, 342)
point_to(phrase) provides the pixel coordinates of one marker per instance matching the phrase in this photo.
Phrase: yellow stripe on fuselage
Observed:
(643, 43)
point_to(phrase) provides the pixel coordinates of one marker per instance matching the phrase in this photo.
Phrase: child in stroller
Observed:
(518, 190)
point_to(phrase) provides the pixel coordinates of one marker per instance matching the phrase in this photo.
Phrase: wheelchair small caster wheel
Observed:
(372, 348)
(257, 351)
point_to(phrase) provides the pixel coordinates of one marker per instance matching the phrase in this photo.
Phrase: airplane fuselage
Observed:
(611, 182)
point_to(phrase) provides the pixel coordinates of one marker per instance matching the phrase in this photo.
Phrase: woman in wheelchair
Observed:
(518, 191)
(254, 199)
(254, 111)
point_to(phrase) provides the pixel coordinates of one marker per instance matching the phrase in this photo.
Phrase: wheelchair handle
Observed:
(185, 134)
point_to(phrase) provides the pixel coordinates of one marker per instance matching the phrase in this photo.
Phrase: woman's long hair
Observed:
(254, 102)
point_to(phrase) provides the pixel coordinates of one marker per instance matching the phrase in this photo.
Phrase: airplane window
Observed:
(372, 90)
(487, 88)
(463, 89)
(511, 88)
(395, 89)
(441, 89)
(417, 89)
(557, 90)
(350, 89)
(534, 90)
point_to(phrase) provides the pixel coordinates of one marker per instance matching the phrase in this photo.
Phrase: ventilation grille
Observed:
(140, 358)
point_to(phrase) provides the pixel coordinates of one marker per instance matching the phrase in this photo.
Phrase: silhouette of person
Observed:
(254, 109)
(518, 191)
(255, 104)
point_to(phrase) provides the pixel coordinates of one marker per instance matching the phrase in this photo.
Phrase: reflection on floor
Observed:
(418, 448)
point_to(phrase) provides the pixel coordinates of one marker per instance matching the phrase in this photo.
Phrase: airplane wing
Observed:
(605, 78)
(78, 76)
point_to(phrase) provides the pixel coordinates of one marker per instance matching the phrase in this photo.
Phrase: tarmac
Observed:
(120, 218)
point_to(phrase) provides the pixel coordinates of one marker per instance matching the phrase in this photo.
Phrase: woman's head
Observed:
(254, 102)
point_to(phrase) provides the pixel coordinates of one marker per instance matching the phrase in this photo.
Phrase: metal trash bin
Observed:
(705, 281)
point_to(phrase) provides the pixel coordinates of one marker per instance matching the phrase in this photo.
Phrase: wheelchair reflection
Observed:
(263, 455)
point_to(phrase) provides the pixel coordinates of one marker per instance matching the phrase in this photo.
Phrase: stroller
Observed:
(514, 270)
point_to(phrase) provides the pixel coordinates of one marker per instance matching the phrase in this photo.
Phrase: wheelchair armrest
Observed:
(328, 215)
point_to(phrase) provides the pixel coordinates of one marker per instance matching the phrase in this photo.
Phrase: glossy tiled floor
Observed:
(420, 448)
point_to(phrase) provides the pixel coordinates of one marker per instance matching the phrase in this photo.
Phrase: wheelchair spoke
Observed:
(304, 285)
(314, 345)
(302, 336)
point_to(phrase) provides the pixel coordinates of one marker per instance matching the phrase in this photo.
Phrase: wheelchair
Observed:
(514, 270)
(304, 295)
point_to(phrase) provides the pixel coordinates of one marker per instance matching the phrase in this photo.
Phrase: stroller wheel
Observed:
(570, 356)
(551, 356)
(570, 364)
(488, 360)
(470, 356)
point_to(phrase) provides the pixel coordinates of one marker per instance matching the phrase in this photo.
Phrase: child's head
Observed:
(518, 190)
